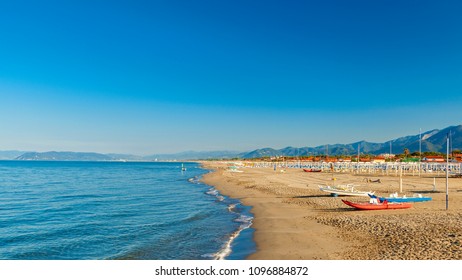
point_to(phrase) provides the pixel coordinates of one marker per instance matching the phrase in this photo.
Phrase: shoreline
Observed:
(294, 220)
(272, 223)
(244, 218)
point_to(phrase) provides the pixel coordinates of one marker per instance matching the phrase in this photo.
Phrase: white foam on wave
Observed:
(194, 180)
(226, 250)
(212, 191)
(245, 223)
(231, 207)
(245, 220)
(208, 256)
(215, 193)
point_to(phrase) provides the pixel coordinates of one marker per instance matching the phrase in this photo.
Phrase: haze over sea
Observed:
(117, 210)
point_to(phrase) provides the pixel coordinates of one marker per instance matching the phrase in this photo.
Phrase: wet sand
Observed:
(295, 220)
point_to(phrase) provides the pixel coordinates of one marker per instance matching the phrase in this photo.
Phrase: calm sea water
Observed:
(112, 210)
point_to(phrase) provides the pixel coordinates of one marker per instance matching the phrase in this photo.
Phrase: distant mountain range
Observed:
(64, 156)
(191, 155)
(433, 140)
(7, 155)
(78, 156)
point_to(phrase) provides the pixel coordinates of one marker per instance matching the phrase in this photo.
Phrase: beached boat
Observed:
(348, 189)
(312, 170)
(377, 205)
(234, 169)
(395, 198)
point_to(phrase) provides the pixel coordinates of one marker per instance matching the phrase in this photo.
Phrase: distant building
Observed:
(329, 159)
(378, 159)
(433, 159)
(387, 156)
(457, 157)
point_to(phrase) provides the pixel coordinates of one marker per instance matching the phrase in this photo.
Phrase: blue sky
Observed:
(147, 77)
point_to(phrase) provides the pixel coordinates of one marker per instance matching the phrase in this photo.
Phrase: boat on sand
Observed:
(348, 189)
(312, 170)
(395, 198)
(234, 169)
(377, 205)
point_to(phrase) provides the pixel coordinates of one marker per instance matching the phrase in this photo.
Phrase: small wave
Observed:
(212, 191)
(231, 207)
(194, 180)
(196, 217)
(208, 256)
(246, 222)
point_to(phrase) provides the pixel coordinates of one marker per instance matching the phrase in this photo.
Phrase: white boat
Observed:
(395, 198)
(348, 189)
(234, 169)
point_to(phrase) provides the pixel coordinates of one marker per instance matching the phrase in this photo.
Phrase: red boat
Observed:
(312, 170)
(377, 206)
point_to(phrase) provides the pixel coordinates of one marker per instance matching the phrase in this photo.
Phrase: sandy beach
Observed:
(295, 220)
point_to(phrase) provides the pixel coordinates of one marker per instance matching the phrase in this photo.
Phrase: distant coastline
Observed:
(430, 141)
(91, 156)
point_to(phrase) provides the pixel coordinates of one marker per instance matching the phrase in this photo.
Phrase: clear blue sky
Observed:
(147, 77)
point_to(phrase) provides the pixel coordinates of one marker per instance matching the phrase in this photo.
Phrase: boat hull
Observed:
(402, 199)
(312, 170)
(379, 206)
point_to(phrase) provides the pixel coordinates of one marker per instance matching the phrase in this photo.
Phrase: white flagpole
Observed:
(447, 172)
(420, 149)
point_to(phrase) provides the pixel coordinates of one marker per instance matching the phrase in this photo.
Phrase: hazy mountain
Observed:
(8, 155)
(64, 156)
(266, 152)
(126, 157)
(192, 155)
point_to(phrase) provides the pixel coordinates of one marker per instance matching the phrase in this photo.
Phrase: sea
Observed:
(62, 210)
